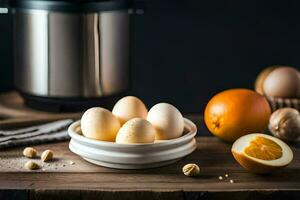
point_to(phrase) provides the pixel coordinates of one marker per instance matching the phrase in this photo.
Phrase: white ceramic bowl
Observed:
(133, 156)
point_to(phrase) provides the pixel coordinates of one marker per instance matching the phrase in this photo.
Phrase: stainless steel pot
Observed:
(71, 49)
(69, 54)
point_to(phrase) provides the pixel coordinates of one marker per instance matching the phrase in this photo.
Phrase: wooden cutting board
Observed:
(13, 112)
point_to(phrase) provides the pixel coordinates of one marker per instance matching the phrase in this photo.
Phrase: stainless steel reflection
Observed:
(70, 54)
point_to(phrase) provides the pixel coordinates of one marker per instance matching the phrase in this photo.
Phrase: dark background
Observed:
(183, 52)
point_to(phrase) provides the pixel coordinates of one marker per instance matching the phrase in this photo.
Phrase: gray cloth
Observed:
(49, 132)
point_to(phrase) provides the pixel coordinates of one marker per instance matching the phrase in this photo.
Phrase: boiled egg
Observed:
(99, 124)
(128, 108)
(136, 130)
(167, 120)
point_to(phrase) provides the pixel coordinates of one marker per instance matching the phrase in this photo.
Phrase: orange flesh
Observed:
(264, 149)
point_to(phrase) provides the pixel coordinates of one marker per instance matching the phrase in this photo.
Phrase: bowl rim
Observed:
(188, 124)
(133, 156)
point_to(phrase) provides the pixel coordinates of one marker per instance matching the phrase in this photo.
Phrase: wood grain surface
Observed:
(13, 112)
(62, 180)
(70, 177)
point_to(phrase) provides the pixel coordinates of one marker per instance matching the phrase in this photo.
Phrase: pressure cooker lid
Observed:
(72, 5)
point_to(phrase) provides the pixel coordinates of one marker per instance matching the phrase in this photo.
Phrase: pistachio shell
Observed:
(47, 155)
(285, 124)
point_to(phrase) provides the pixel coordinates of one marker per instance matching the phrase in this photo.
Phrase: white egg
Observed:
(128, 108)
(100, 124)
(167, 120)
(136, 130)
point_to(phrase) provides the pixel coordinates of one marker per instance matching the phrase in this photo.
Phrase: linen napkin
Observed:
(49, 132)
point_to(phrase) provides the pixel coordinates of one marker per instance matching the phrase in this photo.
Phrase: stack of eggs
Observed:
(130, 122)
(280, 85)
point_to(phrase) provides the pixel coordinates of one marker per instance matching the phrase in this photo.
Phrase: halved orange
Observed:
(261, 153)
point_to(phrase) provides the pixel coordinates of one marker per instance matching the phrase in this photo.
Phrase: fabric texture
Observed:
(49, 132)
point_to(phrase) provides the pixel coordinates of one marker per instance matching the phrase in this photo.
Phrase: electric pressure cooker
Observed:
(71, 54)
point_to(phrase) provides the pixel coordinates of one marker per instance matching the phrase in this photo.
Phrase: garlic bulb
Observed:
(285, 124)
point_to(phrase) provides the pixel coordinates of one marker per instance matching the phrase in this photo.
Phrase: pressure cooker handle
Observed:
(3, 6)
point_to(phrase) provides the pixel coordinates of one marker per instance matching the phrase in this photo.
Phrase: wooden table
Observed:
(62, 180)
(82, 180)
(13, 112)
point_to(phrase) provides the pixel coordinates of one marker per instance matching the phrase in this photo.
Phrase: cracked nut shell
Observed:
(29, 152)
(47, 155)
(191, 169)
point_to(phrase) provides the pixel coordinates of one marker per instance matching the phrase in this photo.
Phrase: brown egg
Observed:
(282, 82)
(259, 82)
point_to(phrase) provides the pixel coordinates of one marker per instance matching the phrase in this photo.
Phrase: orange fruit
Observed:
(261, 153)
(236, 112)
